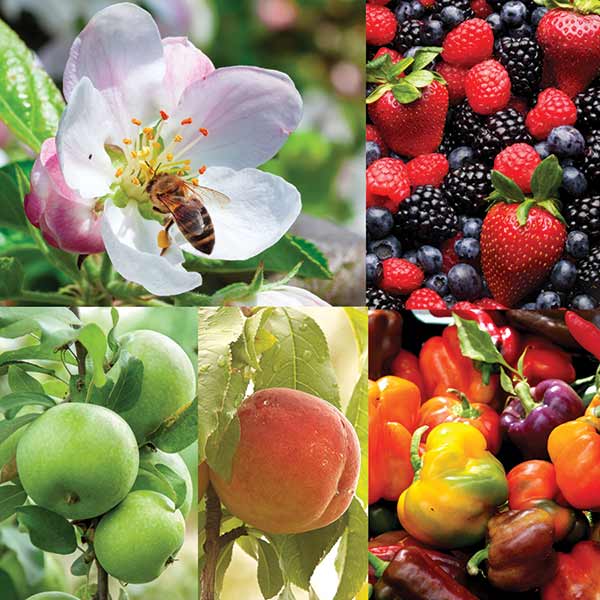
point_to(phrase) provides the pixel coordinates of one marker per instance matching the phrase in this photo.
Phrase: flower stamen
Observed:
(187, 121)
(164, 116)
(136, 122)
(203, 131)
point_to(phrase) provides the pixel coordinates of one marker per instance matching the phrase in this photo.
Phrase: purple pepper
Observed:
(529, 418)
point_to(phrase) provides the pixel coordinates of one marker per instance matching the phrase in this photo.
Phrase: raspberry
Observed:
(455, 80)
(395, 56)
(518, 162)
(469, 43)
(487, 86)
(425, 299)
(553, 108)
(373, 135)
(481, 8)
(449, 256)
(489, 304)
(381, 25)
(387, 177)
(427, 169)
(400, 276)
(463, 305)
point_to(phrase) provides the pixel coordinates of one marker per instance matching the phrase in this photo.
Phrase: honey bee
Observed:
(171, 195)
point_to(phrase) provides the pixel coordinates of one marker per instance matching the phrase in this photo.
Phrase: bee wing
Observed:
(212, 195)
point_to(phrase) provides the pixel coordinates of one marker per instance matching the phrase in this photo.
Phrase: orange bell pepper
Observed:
(393, 415)
(443, 366)
(406, 365)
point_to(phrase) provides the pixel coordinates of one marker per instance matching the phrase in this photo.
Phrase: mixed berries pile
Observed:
(483, 153)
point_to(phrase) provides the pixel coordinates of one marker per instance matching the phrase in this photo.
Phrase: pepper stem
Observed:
(523, 392)
(476, 560)
(379, 565)
(415, 459)
(596, 411)
(466, 410)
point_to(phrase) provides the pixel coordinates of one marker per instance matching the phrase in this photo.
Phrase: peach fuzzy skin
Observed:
(202, 479)
(296, 466)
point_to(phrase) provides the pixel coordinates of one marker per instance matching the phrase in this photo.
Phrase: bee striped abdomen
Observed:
(196, 225)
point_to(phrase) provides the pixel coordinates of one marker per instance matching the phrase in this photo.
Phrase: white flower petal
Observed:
(248, 112)
(261, 208)
(121, 52)
(131, 244)
(84, 128)
(285, 295)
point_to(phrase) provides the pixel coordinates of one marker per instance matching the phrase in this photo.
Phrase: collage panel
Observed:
(282, 453)
(483, 454)
(98, 454)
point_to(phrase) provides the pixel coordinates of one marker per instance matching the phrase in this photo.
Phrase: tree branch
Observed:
(102, 593)
(212, 545)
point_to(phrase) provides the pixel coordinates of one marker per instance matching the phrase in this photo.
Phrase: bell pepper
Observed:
(385, 340)
(574, 449)
(519, 552)
(544, 360)
(406, 365)
(443, 366)
(577, 576)
(457, 486)
(585, 332)
(532, 484)
(455, 406)
(393, 415)
(414, 575)
(529, 417)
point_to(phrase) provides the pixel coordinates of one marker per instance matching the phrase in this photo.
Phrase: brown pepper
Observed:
(385, 340)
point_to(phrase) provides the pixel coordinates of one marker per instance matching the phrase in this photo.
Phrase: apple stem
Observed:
(102, 593)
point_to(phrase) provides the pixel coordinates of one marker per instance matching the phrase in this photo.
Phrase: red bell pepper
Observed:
(406, 365)
(585, 332)
(544, 360)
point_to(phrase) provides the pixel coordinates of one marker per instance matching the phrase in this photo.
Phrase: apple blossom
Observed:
(138, 106)
(282, 295)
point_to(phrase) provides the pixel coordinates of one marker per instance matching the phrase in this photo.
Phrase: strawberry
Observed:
(449, 256)
(521, 237)
(518, 161)
(387, 183)
(381, 25)
(400, 276)
(469, 43)
(394, 55)
(489, 304)
(409, 112)
(481, 8)
(571, 43)
(455, 80)
(425, 299)
(487, 86)
(427, 169)
(374, 136)
(553, 108)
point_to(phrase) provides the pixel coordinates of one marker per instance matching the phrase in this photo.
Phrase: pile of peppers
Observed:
(484, 462)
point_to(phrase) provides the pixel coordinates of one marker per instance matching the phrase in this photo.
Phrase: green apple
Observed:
(169, 380)
(79, 460)
(147, 481)
(138, 539)
(52, 596)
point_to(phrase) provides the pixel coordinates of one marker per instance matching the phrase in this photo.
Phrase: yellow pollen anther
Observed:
(169, 157)
(119, 172)
(203, 131)
(126, 141)
(180, 173)
(155, 144)
(194, 181)
(178, 138)
(187, 121)
(136, 122)
(135, 181)
(145, 151)
(202, 170)
(134, 154)
(187, 161)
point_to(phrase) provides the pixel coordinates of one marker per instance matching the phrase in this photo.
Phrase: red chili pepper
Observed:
(585, 332)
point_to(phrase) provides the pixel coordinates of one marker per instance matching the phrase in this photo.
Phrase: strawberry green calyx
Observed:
(584, 7)
(545, 182)
(404, 79)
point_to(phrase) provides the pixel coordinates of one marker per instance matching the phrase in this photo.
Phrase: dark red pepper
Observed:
(585, 332)
(385, 340)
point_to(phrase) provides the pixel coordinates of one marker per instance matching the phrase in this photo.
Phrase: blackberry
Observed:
(583, 214)
(462, 127)
(378, 299)
(502, 129)
(522, 58)
(588, 107)
(426, 216)
(408, 35)
(466, 188)
(590, 165)
(589, 274)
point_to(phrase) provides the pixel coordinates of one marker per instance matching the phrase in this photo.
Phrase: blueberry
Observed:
(563, 275)
(380, 222)
(547, 300)
(403, 11)
(583, 302)
(513, 13)
(459, 156)
(418, 10)
(495, 22)
(565, 140)
(464, 282)
(472, 228)
(388, 247)
(452, 16)
(411, 256)
(432, 32)
(374, 269)
(438, 283)
(430, 259)
(578, 245)
(373, 152)
(529, 306)
(574, 182)
(522, 31)
(542, 149)
(466, 248)
(450, 300)
(537, 14)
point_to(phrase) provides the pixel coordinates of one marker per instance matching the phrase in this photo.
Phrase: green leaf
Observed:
(507, 188)
(11, 497)
(178, 432)
(48, 531)
(546, 179)
(506, 382)
(222, 565)
(30, 103)
(175, 481)
(405, 92)
(523, 211)
(475, 343)
(424, 56)
(11, 278)
(280, 258)
(257, 339)
(127, 388)
(123, 595)
(14, 184)
(352, 554)
(32, 560)
(94, 341)
(9, 426)
(111, 338)
(378, 93)
(419, 79)
(18, 400)
(20, 381)
(300, 360)
(287, 593)
(270, 577)
(81, 566)
(7, 585)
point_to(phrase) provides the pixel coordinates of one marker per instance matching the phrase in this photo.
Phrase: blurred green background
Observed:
(319, 43)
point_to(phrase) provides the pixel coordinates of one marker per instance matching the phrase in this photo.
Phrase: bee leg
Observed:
(164, 242)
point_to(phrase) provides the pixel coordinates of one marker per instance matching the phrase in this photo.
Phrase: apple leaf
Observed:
(94, 341)
(127, 388)
(81, 566)
(270, 577)
(7, 585)
(11, 497)
(48, 531)
(176, 434)
(176, 483)
(20, 381)
(17, 400)
(11, 277)
(9, 426)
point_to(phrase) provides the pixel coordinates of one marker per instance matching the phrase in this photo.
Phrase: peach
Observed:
(202, 479)
(296, 466)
